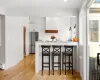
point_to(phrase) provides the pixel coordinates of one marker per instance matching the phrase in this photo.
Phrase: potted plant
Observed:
(75, 39)
(53, 37)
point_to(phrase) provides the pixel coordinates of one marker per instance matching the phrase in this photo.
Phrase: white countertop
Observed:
(56, 43)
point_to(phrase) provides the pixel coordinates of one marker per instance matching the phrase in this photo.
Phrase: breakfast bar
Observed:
(38, 51)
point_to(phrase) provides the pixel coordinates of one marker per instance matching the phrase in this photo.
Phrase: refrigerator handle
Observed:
(98, 61)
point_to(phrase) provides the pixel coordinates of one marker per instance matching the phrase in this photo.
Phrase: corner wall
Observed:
(14, 39)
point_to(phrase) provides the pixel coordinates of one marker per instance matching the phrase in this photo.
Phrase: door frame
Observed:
(85, 13)
(87, 38)
(24, 40)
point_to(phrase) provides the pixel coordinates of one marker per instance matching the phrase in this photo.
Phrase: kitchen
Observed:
(60, 30)
(54, 24)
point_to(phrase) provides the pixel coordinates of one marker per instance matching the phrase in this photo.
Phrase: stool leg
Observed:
(53, 64)
(59, 61)
(49, 63)
(42, 64)
(69, 62)
(72, 62)
(60, 64)
(65, 64)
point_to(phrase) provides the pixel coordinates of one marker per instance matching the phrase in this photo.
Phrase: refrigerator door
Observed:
(33, 38)
(32, 49)
(36, 36)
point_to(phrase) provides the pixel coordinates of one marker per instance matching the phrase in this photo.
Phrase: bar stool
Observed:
(45, 53)
(68, 53)
(56, 53)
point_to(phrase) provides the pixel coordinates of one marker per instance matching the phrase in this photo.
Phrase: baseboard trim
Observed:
(32, 53)
(2, 66)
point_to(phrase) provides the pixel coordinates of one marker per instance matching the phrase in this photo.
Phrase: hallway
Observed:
(25, 70)
(22, 71)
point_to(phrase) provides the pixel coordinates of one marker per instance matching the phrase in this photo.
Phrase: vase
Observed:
(70, 36)
(52, 39)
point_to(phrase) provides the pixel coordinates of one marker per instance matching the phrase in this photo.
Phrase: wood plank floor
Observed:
(25, 70)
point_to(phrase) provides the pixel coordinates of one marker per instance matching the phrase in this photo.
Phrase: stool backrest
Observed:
(56, 49)
(45, 48)
(68, 49)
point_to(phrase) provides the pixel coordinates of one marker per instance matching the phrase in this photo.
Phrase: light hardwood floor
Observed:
(25, 70)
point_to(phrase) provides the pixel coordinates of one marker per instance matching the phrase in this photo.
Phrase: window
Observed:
(94, 30)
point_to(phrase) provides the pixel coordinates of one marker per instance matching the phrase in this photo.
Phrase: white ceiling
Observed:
(30, 5)
(43, 3)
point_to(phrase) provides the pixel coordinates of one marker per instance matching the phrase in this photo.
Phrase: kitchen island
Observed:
(38, 51)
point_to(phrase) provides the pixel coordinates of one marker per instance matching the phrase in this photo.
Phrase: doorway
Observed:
(24, 30)
(93, 40)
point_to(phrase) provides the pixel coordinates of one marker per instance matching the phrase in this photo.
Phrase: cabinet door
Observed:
(94, 31)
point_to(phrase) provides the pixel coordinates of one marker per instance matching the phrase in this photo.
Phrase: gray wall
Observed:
(2, 47)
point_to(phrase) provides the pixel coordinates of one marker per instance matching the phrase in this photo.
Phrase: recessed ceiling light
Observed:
(65, 0)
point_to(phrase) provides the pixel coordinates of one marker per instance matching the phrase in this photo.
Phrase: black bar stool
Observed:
(68, 53)
(56, 52)
(45, 52)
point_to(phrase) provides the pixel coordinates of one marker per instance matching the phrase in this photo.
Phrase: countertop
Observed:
(56, 43)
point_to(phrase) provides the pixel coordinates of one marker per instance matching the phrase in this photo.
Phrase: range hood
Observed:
(51, 31)
(51, 25)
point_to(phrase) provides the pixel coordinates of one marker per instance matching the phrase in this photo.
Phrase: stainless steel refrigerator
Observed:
(33, 37)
